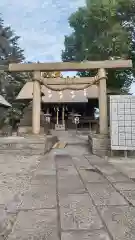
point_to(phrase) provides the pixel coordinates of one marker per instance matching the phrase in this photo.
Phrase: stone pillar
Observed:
(36, 103)
(103, 117)
(57, 116)
(63, 115)
(100, 143)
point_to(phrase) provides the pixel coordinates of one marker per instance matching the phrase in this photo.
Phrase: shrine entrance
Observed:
(59, 85)
(75, 84)
(66, 113)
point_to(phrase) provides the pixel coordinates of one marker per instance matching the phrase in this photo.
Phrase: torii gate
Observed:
(70, 83)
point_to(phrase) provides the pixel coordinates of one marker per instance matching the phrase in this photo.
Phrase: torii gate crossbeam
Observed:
(69, 66)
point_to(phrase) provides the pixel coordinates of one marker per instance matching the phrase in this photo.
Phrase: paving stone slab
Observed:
(105, 194)
(117, 177)
(130, 196)
(67, 171)
(127, 167)
(39, 197)
(45, 172)
(13, 205)
(78, 212)
(70, 184)
(61, 154)
(14, 184)
(80, 235)
(62, 161)
(6, 223)
(120, 221)
(125, 186)
(46, 165)
(89, 176)
(95, 159)
(43, 180)
(26, 152)
(6, 195)
(38, 224)
(17, 164)
(106, 169)
(81, 162)
(47, 161)
(76, 149)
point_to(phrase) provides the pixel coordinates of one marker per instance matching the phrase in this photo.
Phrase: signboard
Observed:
(122, 122)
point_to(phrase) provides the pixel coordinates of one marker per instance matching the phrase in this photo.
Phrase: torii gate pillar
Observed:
(103, 116)
(36, 108)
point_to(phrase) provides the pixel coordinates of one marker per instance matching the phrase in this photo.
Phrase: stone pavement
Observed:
(67, 194)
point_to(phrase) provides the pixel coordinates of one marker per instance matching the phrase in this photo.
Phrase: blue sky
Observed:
(41, 24)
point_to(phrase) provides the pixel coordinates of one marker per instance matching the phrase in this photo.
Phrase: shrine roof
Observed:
(67, 95)
(3, 102)
(27, 93)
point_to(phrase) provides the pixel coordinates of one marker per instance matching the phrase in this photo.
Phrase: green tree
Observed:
(11, 83)
(103, 30)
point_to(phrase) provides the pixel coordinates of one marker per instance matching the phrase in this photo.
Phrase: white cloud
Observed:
(41, 24)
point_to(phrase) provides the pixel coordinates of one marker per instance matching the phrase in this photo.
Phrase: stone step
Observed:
(39, 144)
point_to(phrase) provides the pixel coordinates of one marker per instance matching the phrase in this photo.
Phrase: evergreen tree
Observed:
(103, 30)
(11, 83)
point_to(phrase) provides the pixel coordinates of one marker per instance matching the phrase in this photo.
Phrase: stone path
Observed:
(66, 195)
